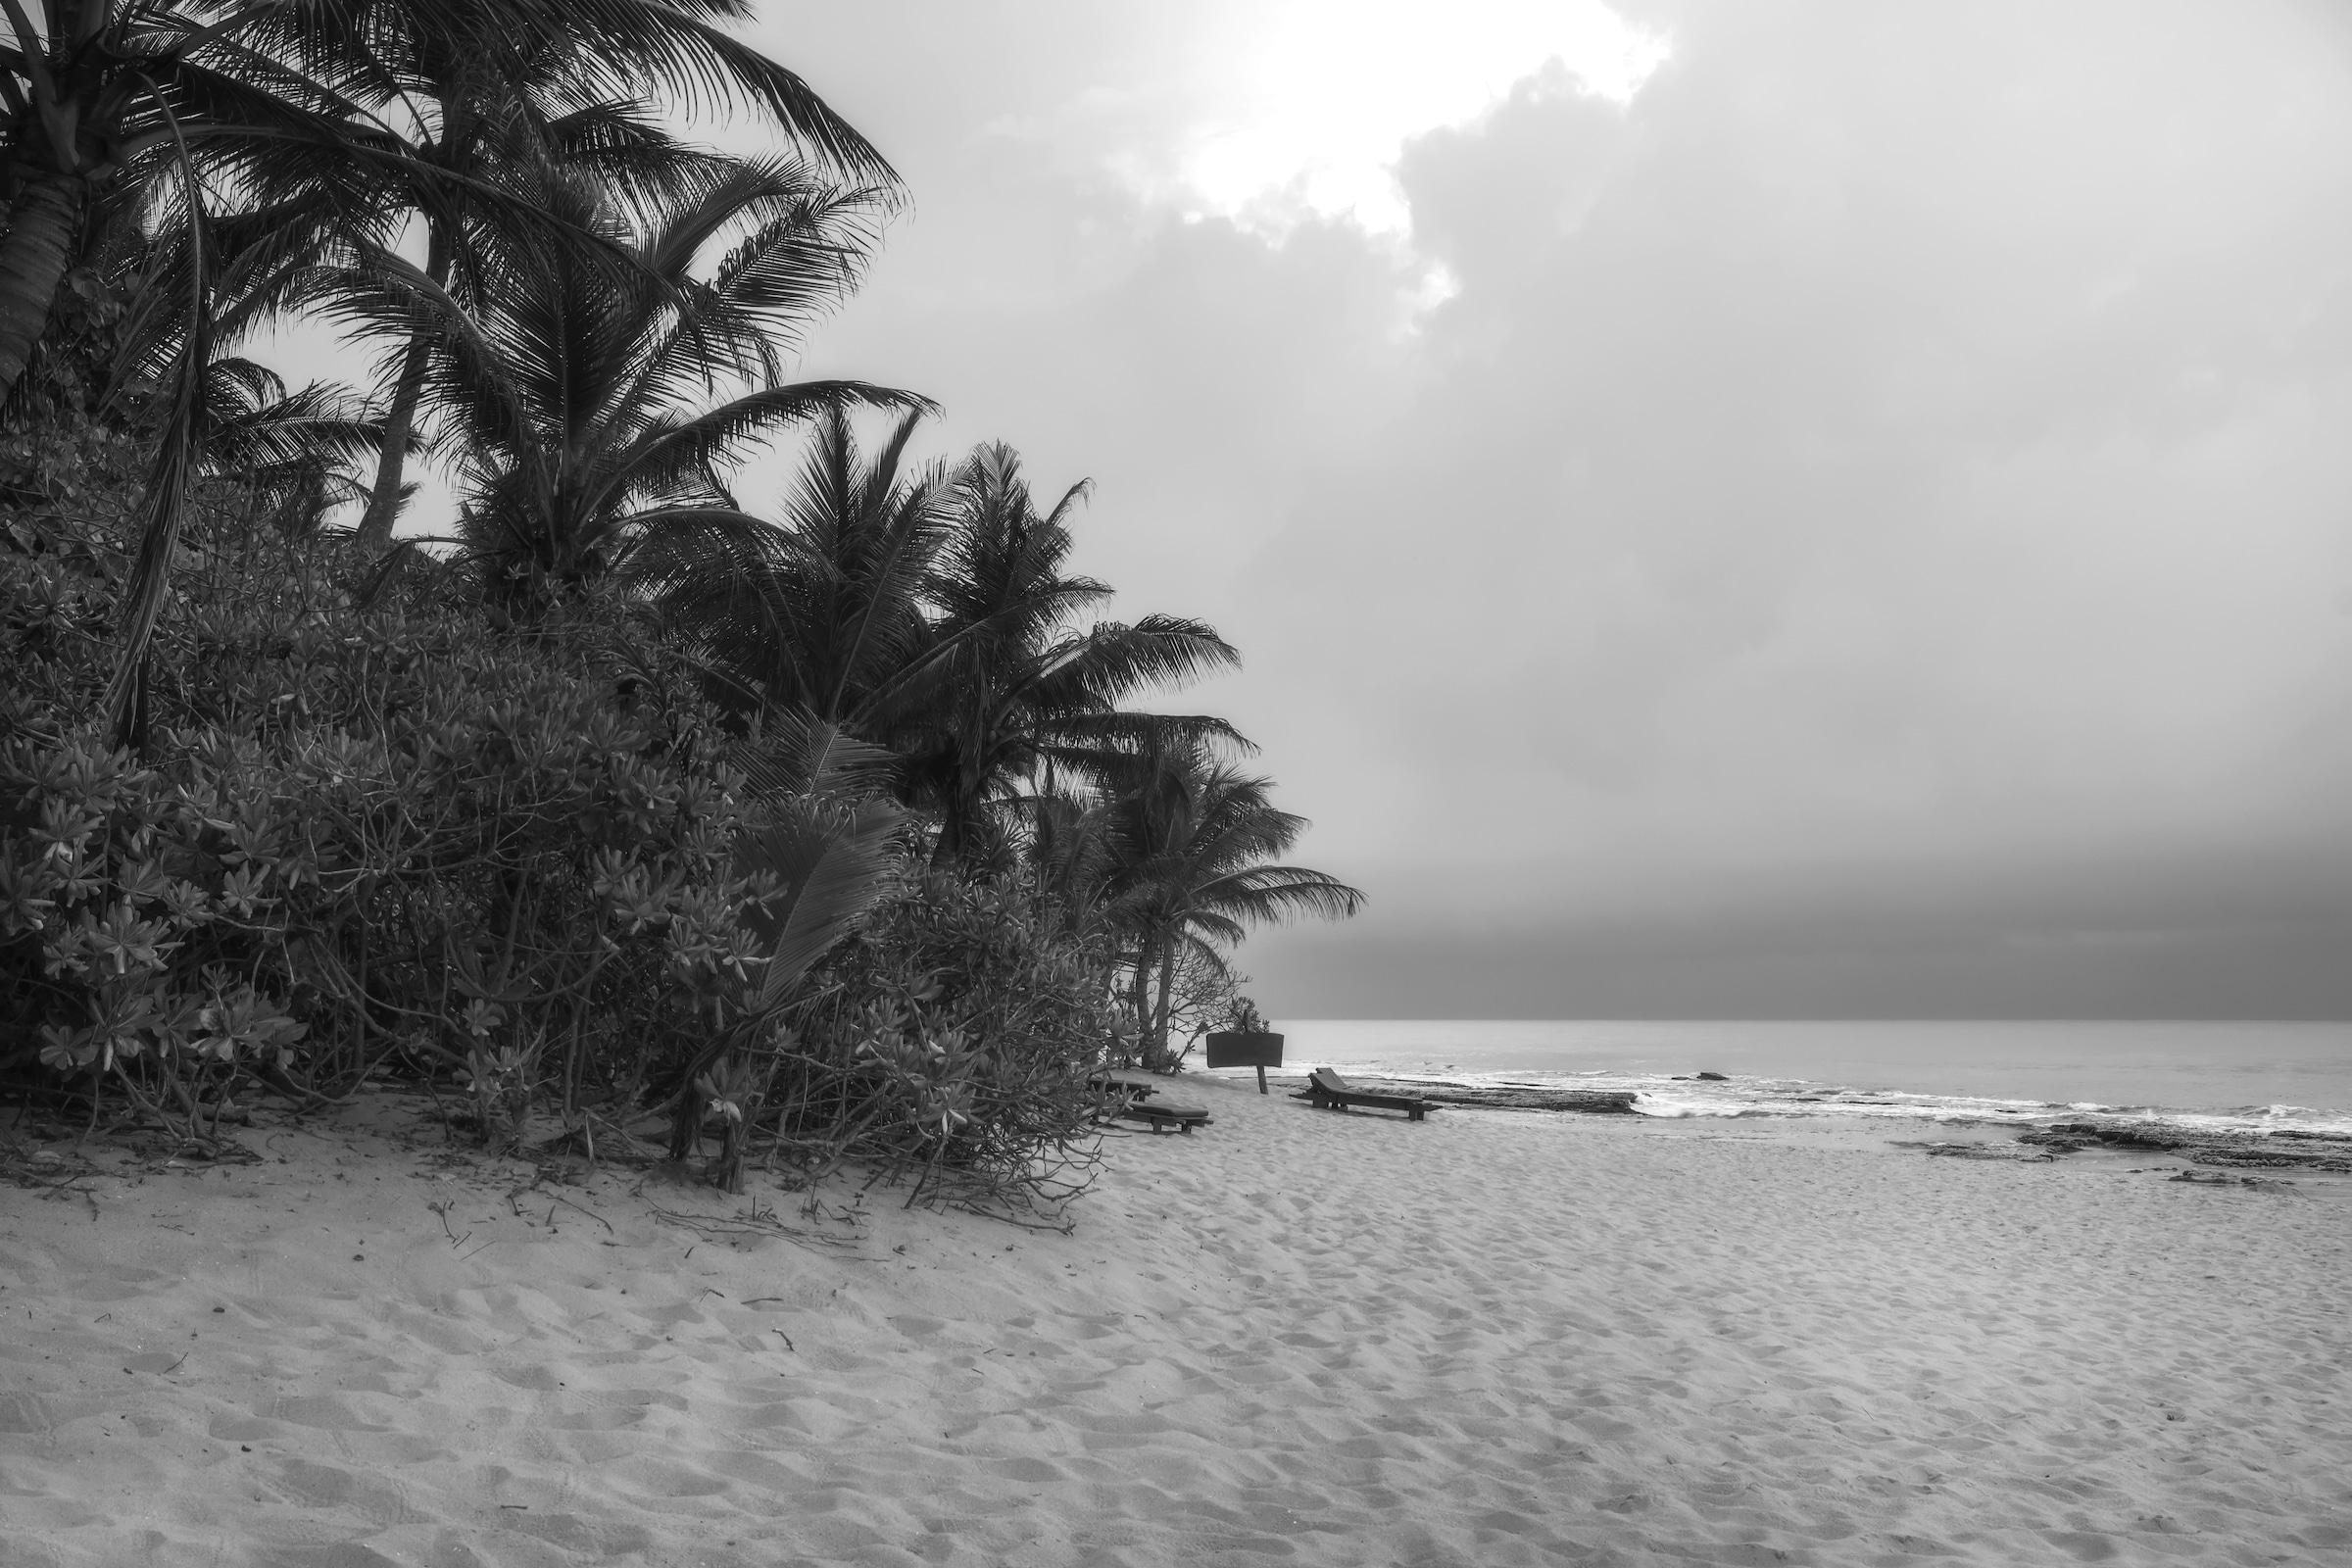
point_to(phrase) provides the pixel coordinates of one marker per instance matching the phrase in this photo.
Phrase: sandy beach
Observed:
(1491, 1338)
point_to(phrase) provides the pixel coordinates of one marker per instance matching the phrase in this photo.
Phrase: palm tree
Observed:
(339, 118)
(584, 401)
(1012, 682)
(821, 619)
(1065, 850)
(269, 101)
(467, 89)
(291, 452)
(1190, 844)
(930, 614)
(97, 97)
(610, 144)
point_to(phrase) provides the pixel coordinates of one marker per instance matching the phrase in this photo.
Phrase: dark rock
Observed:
(1507, 1097)
(2202, 1177)
(1975, 1152)
(2261, 1157)
(1714, 1077)
(2296, 1148)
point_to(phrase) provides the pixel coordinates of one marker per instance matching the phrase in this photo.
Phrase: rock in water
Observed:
(1508, 1096)
(2293, 1148)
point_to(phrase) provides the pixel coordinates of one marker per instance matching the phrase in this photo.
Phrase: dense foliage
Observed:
(356, 839)
(952, 1038)
(835, 835)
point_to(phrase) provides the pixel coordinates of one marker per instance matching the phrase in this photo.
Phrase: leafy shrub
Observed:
(390, 836)
(952, 1040)
(403, 837)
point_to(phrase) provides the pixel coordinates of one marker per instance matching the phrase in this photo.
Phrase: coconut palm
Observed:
(929, 612)
(1011, 682)
(341, 118)
(1065, 851)
(291, 452)
(586, 403)
(497, 144)
(1189, 843)
(99, 96)
(468, 88)
(275, 101)
(819, 619)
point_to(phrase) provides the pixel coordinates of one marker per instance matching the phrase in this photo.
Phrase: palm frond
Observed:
(832, 863)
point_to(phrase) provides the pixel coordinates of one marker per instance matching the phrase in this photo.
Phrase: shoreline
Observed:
(2056, 1134)
(2242, 1076)
(1487, 1338)
(2149, 1127)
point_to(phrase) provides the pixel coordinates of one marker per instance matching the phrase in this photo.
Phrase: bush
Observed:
(951, 1042)
(406, 838)
(358, 838)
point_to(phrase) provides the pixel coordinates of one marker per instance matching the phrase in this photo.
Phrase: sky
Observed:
(1753, 508)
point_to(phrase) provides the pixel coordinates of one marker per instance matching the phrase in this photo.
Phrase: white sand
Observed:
(1487, 1338)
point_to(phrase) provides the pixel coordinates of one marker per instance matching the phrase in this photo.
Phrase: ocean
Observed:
(2252, 1077)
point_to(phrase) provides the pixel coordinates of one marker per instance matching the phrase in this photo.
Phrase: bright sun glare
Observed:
(1318, 97)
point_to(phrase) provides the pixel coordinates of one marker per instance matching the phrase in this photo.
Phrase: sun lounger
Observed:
(1135, 1100)
(1167, 1118)
(1328, 1091)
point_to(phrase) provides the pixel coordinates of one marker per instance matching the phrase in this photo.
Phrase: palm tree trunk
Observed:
(948, 849)
(1140, 991)
(42, 222)
(159, 540)
(175, 456)
(384, 500)
(1167, 983)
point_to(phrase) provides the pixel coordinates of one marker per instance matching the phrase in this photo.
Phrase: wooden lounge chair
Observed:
(1167, 1118)
(1134, 1101)
(1328, 1091)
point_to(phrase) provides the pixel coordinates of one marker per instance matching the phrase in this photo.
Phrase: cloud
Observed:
(1862, 531)
(1864, 441)
(1302, 108)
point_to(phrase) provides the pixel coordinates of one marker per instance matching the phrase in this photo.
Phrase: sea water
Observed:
(2243, 1076)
